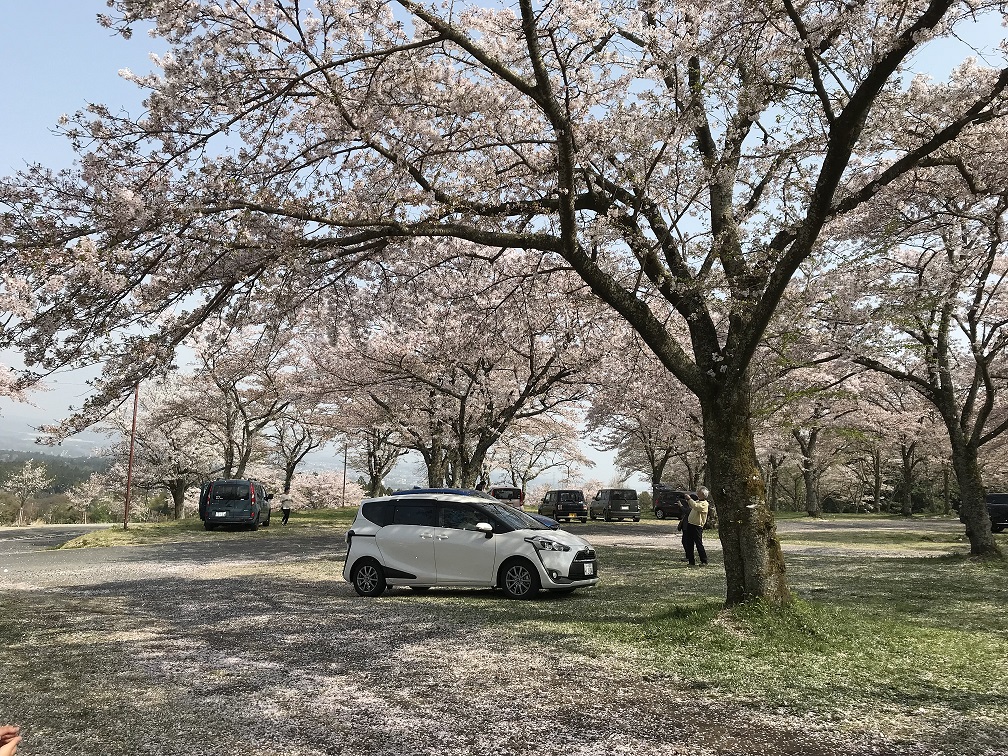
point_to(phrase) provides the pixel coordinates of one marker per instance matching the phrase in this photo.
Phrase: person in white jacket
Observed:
(693, 527)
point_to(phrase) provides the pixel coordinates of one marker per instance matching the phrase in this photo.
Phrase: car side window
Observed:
(415, 513)
(461, 517)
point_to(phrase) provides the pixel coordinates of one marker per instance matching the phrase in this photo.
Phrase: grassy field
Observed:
(895, 655)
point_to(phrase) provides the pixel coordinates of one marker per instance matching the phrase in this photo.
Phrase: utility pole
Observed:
(129, 468)
(346, 446)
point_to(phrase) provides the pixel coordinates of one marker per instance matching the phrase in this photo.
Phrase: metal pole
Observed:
(343, 500)
(129, 468)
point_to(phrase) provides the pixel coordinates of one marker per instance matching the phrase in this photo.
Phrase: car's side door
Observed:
(407, 543)
(464, 555)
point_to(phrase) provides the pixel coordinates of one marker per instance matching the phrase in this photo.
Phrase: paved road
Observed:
(29, 560)
(14, 540)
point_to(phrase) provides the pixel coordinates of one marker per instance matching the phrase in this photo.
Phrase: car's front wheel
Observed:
(519, 579)
(368, 578)
(659, 514)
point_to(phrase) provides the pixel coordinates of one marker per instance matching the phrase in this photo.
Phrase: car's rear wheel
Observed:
(636, 519)
(368, 578)
(269, 514)
(659, 514)
(255, 523)
(584, 519)
(207, 525)
(519, 579)
(997, 528)
(608, 517)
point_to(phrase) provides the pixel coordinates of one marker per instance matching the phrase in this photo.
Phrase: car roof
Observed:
(452, 491)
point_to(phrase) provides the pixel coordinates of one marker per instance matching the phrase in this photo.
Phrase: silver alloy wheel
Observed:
(518, 580)
(367, 578)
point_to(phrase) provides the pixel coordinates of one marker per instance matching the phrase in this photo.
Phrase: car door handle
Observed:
(426, 535)
(443, 537)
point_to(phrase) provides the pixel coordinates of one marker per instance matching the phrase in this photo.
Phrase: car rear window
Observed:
(626, 495)
(378, 512)
(229, 492)
(507, 494)
(571, 496)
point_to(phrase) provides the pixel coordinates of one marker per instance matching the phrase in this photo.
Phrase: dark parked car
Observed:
(235, 502)
(615, 504)
(997, 508)
(669, 503)
(564, 505)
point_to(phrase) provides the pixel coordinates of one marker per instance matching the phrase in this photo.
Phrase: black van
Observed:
(615, 504)
(997, 508)
(564, 505)
(235, 502)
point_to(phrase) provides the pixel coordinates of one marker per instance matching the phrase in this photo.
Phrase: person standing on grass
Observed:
(693, 527)
(9, 738)
(285, 506)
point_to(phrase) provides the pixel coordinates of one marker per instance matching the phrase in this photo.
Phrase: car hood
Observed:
(560, 536)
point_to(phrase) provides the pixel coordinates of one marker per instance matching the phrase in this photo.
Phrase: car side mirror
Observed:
(269, 497)
(486, 528)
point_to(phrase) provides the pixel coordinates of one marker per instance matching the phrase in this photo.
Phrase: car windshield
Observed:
(513, 518)
(625, 495)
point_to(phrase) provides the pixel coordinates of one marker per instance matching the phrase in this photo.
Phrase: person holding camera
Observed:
(693, 527)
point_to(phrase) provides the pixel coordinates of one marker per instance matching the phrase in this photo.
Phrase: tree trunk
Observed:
(877, 482)
(907, 453)
(972, 508)
(754, 564)
(177, 490)
(947, 482)
(774, 463)
(808, 471)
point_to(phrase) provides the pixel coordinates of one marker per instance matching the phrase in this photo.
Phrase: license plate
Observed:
(220, 514)
(624, 508)
(589, 569)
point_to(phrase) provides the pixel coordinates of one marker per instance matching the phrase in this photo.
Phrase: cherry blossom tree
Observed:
(683, 159)
(642, 412)
(170, 451)
(84, 495)
(462, 353)
(537, 445)
(26, 484)
(932, 314)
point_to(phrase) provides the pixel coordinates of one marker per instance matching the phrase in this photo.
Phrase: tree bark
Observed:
(754, 564)
(907, 454)
(177, 489)
(972, 507)
(808, 471)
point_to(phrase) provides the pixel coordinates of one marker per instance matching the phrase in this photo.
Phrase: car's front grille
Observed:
(585, 555)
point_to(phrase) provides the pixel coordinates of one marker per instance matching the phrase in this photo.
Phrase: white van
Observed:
(424, 538)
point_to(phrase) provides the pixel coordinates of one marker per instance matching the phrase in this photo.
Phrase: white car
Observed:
(428, 537)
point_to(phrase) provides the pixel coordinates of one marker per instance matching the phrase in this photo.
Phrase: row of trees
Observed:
(753, 190)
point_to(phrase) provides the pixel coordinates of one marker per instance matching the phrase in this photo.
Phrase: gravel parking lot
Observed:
(259, 647)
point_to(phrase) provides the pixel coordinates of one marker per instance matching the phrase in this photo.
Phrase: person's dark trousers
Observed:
(286, 514)
(693, 537)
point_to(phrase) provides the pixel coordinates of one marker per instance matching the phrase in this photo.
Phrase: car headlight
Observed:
(547, 544)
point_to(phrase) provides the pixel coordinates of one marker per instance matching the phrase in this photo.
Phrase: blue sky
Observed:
(55, 58)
